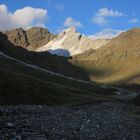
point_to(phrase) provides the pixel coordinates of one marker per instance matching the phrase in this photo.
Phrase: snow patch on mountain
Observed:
(69, 42)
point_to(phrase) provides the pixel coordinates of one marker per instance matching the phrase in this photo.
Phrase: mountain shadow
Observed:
(22, 84)
(42, 59)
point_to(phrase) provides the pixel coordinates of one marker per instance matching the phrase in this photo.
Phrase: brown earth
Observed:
(115, 63)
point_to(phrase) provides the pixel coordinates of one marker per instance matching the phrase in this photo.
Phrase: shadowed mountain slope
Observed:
(23, 83)
(44, 60)
(25, 80)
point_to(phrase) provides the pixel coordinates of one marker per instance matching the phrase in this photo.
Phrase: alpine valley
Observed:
(68, 85)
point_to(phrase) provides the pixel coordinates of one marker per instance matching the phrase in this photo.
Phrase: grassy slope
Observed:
(24, 85)
(115, 63)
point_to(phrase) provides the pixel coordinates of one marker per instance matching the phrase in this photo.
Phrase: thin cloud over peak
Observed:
(107, 33)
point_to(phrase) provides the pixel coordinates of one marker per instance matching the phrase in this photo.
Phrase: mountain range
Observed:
(104, 60)
(68, 43)
(41, 78)
(40, 67)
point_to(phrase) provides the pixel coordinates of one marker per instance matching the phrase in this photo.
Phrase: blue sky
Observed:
(89, 16)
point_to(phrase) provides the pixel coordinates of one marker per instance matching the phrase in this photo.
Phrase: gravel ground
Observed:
(104, 121)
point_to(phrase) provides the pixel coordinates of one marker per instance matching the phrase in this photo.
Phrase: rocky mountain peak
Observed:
(18, 37)
(70, 42)
(38, 36)
(30, 39)
(36, 30)
(71, 30)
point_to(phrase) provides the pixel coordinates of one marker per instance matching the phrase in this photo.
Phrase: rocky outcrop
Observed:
(38, 37)
(30, 39)
(18, 37)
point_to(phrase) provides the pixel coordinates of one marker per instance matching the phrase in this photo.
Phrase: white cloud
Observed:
(106, 34)
(105, 12)
(69, 22)
(24, 17)
(102, 15)
(134, 20)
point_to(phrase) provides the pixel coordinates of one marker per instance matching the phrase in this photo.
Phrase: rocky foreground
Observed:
(104, 121)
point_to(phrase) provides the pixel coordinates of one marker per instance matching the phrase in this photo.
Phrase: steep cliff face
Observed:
(38, 37)
(18, 37)
(30, 39)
